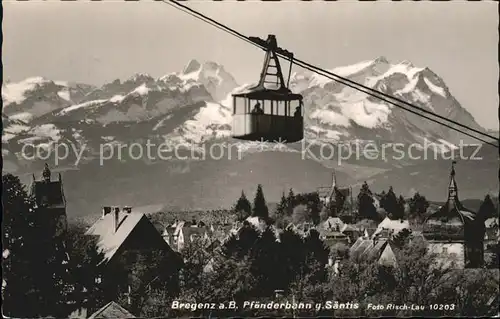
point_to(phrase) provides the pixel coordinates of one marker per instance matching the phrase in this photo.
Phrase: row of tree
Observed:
(293, 208)
(41, 281)
(255, 266)
(299, 208)
(414, 208)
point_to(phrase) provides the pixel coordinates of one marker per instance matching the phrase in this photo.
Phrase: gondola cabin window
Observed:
(280, 108)
(296, 108)
(241, 106)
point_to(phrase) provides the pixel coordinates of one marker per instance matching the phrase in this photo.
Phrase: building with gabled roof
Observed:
(121, 230)
(389, 228)
(453, 231)
(352, 232)
(334, 223)
(492, 223)
(112, 310)
(181, 232)
(379, 249)
(121, 236)
(329, 195)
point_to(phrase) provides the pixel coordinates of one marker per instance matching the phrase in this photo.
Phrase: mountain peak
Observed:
(139, 77)
(192, 66)
(381, 59)
(212, 65)
(407, 63)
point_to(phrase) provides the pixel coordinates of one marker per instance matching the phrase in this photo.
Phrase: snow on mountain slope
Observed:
(195, 107)
(181, 108)
(37, 96)
(173, 107)
(212, 75)
(334, 110)
(16, 92)
(143, 102)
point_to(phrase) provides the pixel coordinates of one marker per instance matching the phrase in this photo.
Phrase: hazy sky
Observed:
(99, 42)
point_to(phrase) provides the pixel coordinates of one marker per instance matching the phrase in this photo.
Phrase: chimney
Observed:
(116, 215)
(106, 210)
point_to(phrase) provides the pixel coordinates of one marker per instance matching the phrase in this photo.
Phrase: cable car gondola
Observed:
(272, 114)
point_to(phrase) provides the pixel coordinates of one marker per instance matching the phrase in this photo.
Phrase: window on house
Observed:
(445, 250)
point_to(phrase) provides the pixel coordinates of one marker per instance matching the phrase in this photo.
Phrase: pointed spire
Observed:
(334, 180)
(452, 187)
(334, 186)
(46, 173)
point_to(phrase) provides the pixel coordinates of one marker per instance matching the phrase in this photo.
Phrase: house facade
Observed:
(454, 233)
(180, 233)
(122, 235)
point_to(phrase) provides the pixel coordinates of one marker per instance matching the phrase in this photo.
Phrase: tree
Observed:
(146, 272)
(266, 265)
(20, 256)
(291, 202)
(401, 207)
(292, 256)
(340, 200)
(259, 204)
(487, 209)
(366, 208)
(418, 206)
(195, 284)
(238, 246)
(392, 205)
(37, 264)
(282, 206)
(315, 248)
(340, 251)
(243, 208)
(313, 207)
(85, 267)
(53, 278)
(300, 214)
(281, 217)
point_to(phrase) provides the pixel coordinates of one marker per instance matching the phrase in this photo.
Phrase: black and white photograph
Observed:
(250, 159)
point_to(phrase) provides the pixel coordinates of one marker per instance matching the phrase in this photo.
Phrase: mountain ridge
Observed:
(193, 108)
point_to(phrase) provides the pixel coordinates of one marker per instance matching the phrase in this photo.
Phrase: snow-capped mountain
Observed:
(213, 76)
(336, 111)
(37, 96)
(176, 107)
(194, 107)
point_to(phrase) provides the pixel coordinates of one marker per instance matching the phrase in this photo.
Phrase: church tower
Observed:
(452, 232)
(50, 203)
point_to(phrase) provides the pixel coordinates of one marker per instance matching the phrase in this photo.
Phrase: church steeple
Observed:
(334, 180)
(334, 186)
(452, 187)
(46, 173)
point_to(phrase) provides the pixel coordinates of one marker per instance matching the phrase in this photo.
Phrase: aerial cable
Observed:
(333, 76)
(416, 113)
(398, 100)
